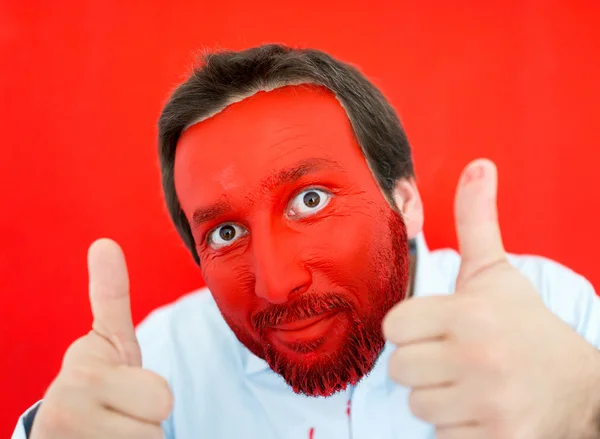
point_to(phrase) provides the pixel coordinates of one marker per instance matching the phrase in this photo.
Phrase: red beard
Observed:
(326, 373)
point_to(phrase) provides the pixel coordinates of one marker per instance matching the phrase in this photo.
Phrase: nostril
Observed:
(299, 289)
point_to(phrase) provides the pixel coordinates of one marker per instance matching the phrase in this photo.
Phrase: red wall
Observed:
(82, 83)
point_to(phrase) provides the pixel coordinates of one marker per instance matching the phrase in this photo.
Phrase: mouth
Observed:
(305, 329)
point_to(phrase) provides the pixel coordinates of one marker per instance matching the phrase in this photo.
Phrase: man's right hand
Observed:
(102, 390)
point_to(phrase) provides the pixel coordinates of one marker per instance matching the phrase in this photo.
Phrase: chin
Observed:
(329, 364)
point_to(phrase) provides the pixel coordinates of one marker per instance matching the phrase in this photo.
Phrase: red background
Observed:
(82, 84)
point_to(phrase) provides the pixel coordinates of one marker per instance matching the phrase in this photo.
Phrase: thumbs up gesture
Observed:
(491, 361)
(101, 390)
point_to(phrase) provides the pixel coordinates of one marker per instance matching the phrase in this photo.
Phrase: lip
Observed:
(305, 329)
(298, 325)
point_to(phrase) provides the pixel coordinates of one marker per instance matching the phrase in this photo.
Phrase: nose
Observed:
(279, 274)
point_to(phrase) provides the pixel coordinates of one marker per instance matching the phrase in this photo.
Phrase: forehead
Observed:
(265, 132)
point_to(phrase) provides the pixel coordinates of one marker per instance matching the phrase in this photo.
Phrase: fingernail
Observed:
(474, 173)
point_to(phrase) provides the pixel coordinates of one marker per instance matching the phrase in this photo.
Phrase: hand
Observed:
(101, 390)
(491, 361)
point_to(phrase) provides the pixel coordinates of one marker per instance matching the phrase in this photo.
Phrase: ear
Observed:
(408, 200)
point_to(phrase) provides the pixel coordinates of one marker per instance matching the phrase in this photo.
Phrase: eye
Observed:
(225, 235)
(308, 202)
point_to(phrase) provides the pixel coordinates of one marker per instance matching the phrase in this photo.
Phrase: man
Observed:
(290, 180)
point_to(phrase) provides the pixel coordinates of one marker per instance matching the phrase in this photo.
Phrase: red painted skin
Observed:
(300, 249)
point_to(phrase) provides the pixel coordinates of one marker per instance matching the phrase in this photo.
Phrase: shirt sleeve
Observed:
(25, 422)
(567, 294)
(19, 432)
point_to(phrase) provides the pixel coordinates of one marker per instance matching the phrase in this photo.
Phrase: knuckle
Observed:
(86, 376)
(396, 321)
(396, 366)
(166, 402)
(74, 351)
(164, 397)
(53, 418)
(398, 358)
(389, 325)
(418, 405)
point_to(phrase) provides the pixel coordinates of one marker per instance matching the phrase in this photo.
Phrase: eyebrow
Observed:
(282, 177)
(297, 171)
(203, 214)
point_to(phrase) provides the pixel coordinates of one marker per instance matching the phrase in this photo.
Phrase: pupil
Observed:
(312, 199)
(227, 233)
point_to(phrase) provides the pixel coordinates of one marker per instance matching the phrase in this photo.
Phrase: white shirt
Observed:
(222, 391)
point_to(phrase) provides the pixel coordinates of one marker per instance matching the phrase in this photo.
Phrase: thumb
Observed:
(109, 299)
(476, 216)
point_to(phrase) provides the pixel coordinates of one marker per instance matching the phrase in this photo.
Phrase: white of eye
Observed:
(225, 235)
(308, 202)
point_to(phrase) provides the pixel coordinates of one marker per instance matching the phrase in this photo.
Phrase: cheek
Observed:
(352, 247)
(231, 284)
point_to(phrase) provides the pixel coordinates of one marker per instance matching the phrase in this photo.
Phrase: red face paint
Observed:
(301, 251)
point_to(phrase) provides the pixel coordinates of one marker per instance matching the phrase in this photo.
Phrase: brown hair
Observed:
(224, 76)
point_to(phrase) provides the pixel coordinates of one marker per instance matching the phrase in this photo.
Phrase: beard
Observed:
(326, 373)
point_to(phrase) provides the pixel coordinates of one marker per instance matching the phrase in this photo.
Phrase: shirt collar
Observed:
(428, 281)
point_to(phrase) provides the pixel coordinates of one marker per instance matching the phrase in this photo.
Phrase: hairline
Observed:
(278, 85)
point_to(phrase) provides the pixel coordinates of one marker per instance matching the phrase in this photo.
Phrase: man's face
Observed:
(301, 251)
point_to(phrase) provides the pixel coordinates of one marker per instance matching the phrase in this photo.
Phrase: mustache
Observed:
(301, 307)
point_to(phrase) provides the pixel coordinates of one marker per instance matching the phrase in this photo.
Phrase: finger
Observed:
(110, 424)
(463, 431)
(90, 347)
(476, 217)
(424, 364)
(417, 319)
(84, 417)
(441, 406)
(138, 393)
(109, 298)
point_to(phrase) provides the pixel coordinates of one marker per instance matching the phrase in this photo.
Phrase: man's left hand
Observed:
(492, 361)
